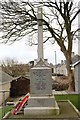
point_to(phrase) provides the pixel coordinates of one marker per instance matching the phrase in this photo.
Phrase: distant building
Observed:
(61, 68)
(31, 63)
(52, 67)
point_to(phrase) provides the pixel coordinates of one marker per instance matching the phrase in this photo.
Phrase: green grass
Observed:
(7, 109)
(74, 98)
(0, 113)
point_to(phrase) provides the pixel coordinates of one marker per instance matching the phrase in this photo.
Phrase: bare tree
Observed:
(14, 68)
(19, 19)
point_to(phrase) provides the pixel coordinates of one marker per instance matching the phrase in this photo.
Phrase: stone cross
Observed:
(40, 33)
(41, 101)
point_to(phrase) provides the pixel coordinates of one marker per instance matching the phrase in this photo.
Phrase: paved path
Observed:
(63, 92)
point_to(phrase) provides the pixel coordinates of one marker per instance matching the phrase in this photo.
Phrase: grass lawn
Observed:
(7, 109)
(74, 98)
(0, 113)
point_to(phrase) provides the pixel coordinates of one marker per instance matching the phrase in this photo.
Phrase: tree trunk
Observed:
(71, 81)
(70, 77)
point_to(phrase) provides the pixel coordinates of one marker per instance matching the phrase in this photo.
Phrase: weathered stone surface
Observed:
(44, 101)
(41, 100)
(40, 33)
(40, 81)
(42, 110)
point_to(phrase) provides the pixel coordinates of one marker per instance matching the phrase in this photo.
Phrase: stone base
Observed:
(41, 101)
(35, 111)
(42, 105)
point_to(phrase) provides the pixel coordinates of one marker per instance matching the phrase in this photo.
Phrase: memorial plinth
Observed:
(41, 100)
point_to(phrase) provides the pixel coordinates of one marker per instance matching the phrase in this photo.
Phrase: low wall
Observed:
(5, 86)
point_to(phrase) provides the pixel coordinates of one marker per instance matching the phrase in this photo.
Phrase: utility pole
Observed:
(55, 65)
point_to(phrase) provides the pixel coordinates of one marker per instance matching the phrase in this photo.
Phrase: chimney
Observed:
(73, 54)
(62, 62)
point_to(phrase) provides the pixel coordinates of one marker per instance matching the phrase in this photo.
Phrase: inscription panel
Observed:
(40, 81)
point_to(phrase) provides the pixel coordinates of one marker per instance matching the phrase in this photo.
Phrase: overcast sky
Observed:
(25, 53)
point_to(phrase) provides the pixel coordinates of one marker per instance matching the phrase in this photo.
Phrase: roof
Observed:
(16, 78)
(4, 77)
(75, 59)
(76, 63)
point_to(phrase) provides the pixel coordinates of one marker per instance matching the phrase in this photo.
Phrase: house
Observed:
(5, 80)
(61, 68)
(19, 86)
(52, 67)
(76, 66)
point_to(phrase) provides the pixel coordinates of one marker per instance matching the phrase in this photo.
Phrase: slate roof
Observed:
(76, 63)
(75, 59)
(4, 77)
